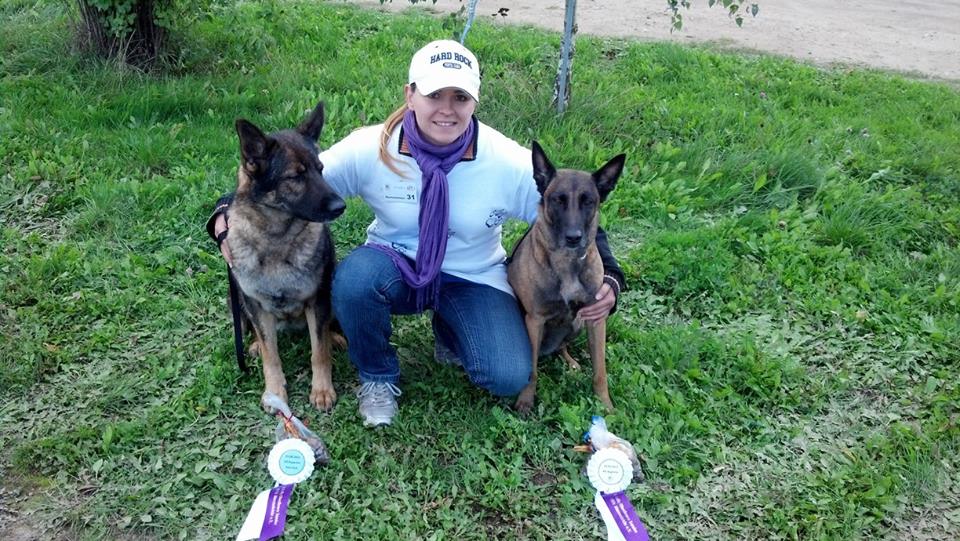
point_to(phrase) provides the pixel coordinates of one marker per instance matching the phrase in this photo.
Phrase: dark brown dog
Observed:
(282, 251)
(556, 269)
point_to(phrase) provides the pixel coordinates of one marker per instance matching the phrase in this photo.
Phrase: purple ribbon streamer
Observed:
(626, 517)
(276, 516)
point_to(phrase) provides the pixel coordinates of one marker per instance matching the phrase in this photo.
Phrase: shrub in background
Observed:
(134, 31)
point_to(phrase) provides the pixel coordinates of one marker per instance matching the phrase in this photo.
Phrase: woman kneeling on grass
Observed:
(440, 184)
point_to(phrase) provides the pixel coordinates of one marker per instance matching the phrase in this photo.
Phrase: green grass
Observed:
(785, 361)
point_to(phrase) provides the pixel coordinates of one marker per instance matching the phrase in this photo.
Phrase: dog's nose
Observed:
(573, 238)
(335, 206)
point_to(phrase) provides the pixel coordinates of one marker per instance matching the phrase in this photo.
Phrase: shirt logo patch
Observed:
(497, 217)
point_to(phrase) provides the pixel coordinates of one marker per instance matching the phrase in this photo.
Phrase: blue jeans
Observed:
(480, 324)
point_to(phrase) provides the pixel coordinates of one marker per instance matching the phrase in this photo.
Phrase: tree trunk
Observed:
(471, 13)
(561, 90)
(139, 44)
(147, 36)
(94, 35)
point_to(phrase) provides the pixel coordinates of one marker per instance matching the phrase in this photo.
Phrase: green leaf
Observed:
(107, 438)
(760, 183)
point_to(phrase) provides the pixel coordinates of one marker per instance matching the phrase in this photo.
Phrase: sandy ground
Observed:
(920, 38)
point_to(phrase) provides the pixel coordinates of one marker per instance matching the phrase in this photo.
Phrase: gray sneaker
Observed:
(378, 402)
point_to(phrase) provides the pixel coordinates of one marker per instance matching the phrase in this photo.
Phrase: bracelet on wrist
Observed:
(614, 284)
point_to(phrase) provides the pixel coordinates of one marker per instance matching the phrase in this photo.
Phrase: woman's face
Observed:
(442, 116)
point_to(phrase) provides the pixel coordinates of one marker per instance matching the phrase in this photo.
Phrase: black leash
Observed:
(237, 329)
(235, 310)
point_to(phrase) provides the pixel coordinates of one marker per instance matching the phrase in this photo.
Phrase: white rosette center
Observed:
(290, 461)
(609, 470)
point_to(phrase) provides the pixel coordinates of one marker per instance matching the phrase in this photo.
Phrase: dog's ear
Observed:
(543, 171)
(254, 145)
(313, 124)
(606, 177)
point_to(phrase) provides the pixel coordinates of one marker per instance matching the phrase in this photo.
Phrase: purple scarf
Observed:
(435, 162)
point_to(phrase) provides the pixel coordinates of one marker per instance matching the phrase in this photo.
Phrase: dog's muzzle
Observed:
(573, 239)
(333, 208)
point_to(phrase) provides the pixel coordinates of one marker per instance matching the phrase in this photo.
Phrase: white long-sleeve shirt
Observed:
(493, 182)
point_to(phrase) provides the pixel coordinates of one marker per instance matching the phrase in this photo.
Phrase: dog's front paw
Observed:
(524, 402)
(323, 398)
(607, 403)
(280, 393)
(571, 362)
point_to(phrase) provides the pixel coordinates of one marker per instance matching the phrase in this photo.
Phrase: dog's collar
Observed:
(468, 156)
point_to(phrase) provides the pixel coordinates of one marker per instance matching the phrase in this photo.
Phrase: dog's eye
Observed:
(586, 201)
(560, 199)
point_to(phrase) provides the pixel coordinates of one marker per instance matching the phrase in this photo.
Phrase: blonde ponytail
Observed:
(389, 125)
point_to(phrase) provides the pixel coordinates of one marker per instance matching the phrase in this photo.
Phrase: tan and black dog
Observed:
(556, 269)
(281, 247)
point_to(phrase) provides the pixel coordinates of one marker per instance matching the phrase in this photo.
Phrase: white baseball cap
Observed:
(445, 63)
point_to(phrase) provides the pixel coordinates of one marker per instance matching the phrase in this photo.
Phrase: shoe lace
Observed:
(379, 392)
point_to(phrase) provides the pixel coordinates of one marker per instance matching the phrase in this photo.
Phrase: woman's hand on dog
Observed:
(219, 226)
(599, 310)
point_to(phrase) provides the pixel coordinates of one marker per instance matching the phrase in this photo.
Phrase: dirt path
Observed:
(915, 37)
